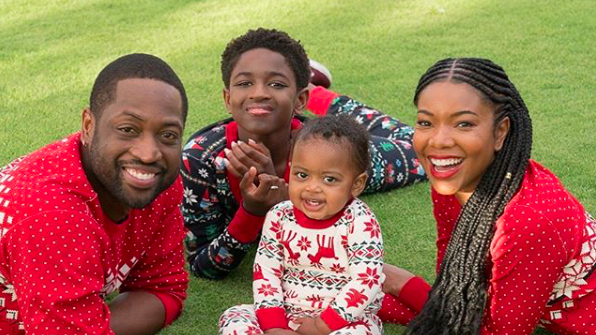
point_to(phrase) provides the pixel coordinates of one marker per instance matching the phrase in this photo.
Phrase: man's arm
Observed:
(137, 313)
(55, 264)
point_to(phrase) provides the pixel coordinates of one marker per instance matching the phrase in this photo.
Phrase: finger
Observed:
(247, 182)
(235, 162)
(230, 167)
(260, 147)
(265, 183)
(255, 155)
(240, 154)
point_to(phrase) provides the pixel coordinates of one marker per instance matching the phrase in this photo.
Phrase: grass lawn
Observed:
(51, 51)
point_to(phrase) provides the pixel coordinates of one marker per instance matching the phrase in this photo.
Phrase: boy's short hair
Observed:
(271, 39)
(342, 130)
(142, 66)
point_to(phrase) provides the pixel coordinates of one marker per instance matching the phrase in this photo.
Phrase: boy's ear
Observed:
(301, 100)
(226, 98)
(359, 184)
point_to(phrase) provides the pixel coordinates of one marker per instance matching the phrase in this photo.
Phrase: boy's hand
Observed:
(270, 191)
(243, 155)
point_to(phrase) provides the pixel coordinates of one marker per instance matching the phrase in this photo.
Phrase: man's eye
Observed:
(423, 123)
(126, 130)
(278, 85)
(170, 136)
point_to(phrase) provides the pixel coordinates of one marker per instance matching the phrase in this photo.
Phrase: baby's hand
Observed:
(307, 326)
(279, 331)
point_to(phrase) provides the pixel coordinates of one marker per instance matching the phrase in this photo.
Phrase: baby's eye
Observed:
(329, 179)
(301, 175)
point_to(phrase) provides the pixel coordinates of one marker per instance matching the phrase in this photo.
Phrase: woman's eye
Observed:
(465, 124)
(423, 123)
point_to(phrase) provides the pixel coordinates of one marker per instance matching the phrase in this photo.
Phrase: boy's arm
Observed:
(365, 261)
(215, 248)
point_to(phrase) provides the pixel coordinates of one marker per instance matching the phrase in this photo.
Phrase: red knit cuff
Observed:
(320, 100)
(171, 304)
(414, 293)
(274, 317)
(245, 227)
(333, 320)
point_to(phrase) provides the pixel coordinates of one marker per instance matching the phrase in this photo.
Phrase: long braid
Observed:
(458, 297)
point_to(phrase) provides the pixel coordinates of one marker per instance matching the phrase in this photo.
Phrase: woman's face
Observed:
(455, 137)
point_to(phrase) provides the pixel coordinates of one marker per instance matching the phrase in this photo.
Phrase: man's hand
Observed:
(270, 191)
(243, 155)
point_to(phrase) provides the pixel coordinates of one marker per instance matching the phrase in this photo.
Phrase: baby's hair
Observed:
(341, 130)
(271, 39)
(133, 66)
(457, 300)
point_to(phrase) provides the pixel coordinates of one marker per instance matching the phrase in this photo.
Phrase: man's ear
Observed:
(501, 131)
(359, 184)
(301, 100)
(226, 98)
(88, 126)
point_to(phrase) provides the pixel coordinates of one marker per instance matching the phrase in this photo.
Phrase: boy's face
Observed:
(263, 96)
(323, 178)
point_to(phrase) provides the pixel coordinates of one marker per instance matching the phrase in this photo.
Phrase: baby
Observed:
(318, 268)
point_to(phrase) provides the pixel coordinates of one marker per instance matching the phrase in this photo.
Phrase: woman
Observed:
(515, 249)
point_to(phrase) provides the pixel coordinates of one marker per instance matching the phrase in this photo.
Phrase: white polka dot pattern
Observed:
(59, 255)
(542, 233)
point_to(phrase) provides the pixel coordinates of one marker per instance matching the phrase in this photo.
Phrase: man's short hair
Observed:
(142, 66)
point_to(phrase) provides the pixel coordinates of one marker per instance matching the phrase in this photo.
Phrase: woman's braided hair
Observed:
(458, 297)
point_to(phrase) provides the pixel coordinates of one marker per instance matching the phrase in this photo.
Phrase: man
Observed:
(99, 211)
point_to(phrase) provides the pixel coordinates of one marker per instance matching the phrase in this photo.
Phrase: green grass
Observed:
(51, 51)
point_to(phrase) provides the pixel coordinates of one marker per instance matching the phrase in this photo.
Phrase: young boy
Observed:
(319, 266)
(266, 76)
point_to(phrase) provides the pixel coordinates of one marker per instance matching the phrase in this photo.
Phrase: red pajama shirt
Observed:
(60, 255)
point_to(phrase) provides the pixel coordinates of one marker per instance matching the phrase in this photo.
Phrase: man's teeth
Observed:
(445, 162)
(140, 175)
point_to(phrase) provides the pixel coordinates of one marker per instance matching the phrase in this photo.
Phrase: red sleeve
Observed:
(161, 270)
(446, 210)
(527, 254)
(56, 269)
(245, 227)
(274, 317)
(320, 99)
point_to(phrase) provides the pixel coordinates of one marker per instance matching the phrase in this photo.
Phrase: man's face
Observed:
(134, 143)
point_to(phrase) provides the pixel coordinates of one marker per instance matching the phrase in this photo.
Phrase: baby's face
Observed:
(323, 178)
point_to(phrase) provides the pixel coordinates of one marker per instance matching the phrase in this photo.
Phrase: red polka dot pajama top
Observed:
(60, 255)
(543, 257)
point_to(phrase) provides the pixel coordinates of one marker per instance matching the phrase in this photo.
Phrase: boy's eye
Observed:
(243, 83)
(278, 85)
